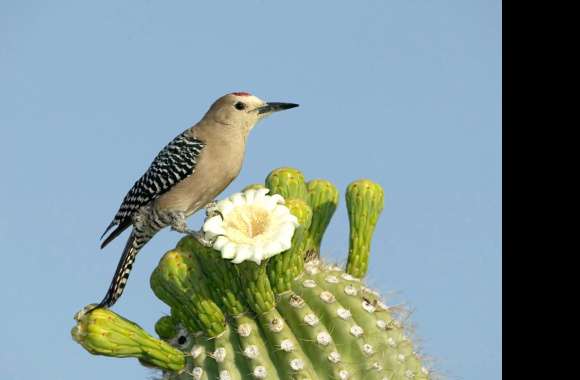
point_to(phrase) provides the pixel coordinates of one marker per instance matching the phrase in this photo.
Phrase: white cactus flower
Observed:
(255, 226)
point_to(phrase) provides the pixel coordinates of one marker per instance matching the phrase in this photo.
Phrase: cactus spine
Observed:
(290, 317)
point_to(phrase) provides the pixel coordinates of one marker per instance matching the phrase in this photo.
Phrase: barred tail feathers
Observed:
(132, 248)
(116, 232)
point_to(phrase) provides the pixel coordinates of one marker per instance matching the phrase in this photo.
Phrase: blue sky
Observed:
(407, 93)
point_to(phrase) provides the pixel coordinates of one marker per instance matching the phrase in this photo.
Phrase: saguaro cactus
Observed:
(267, 311)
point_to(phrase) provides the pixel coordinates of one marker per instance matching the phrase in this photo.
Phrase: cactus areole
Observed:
(260, 303)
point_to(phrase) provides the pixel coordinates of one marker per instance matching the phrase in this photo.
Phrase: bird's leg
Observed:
(200, 237)
(177, 222)
(211, 210)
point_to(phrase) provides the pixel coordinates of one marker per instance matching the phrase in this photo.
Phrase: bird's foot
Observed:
(211, 210)
(85, 310)
(178, 224)
(200, 237)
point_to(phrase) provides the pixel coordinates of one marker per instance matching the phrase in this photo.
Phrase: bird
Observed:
(185, 176)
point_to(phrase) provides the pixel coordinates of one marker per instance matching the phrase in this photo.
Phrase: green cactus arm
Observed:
(323, 199)
(288, 182)
(166, 327)
(191, 324)
(364, 202)
(285, 267)
(221, 275)
(314, 338)
(256, 286)
(179, 282)
(102, 332)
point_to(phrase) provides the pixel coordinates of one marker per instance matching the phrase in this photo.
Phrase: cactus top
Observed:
(251, 226)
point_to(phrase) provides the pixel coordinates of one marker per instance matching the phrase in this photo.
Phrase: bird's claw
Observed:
(85, 310)
(211, 210)
(200, 237)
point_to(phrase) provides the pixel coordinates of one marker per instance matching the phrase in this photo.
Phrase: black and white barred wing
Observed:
(174, 163)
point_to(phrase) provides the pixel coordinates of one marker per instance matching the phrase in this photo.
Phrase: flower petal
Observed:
(287, 229)
(258, 255)
(261, 194)
(278, 198)
(229, 250)
(220, 242)
(272, 249)
(281, 212)
(285, 244)
(250, 196)
(270, 202)
(242, 253)
(214, 225)
(238, 199)
(225, 207)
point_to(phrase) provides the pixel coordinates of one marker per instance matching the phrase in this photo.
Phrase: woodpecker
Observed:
(185, 176)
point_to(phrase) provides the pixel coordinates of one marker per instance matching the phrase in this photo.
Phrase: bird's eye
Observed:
(240, 106)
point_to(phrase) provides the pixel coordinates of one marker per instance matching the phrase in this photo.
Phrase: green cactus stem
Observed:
(255, 351)
(285, 267)
(364, 202)
(288, 182)
(323, 199)
(102, 332)
(338, 322)
(224, 353)
(251, 284)
(166, 327)
(179, 282)
(222, 276)
(316, 340)
(371, 314)
(200, 361)
(256, 286)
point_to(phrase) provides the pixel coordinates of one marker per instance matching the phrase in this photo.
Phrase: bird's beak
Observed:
(274, 107)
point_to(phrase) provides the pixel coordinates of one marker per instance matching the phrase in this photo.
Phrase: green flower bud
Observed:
(323, 199)
(102, 332)
(288, 182)
(364, 201)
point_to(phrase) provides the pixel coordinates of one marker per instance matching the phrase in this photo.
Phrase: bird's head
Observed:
(242, 110)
